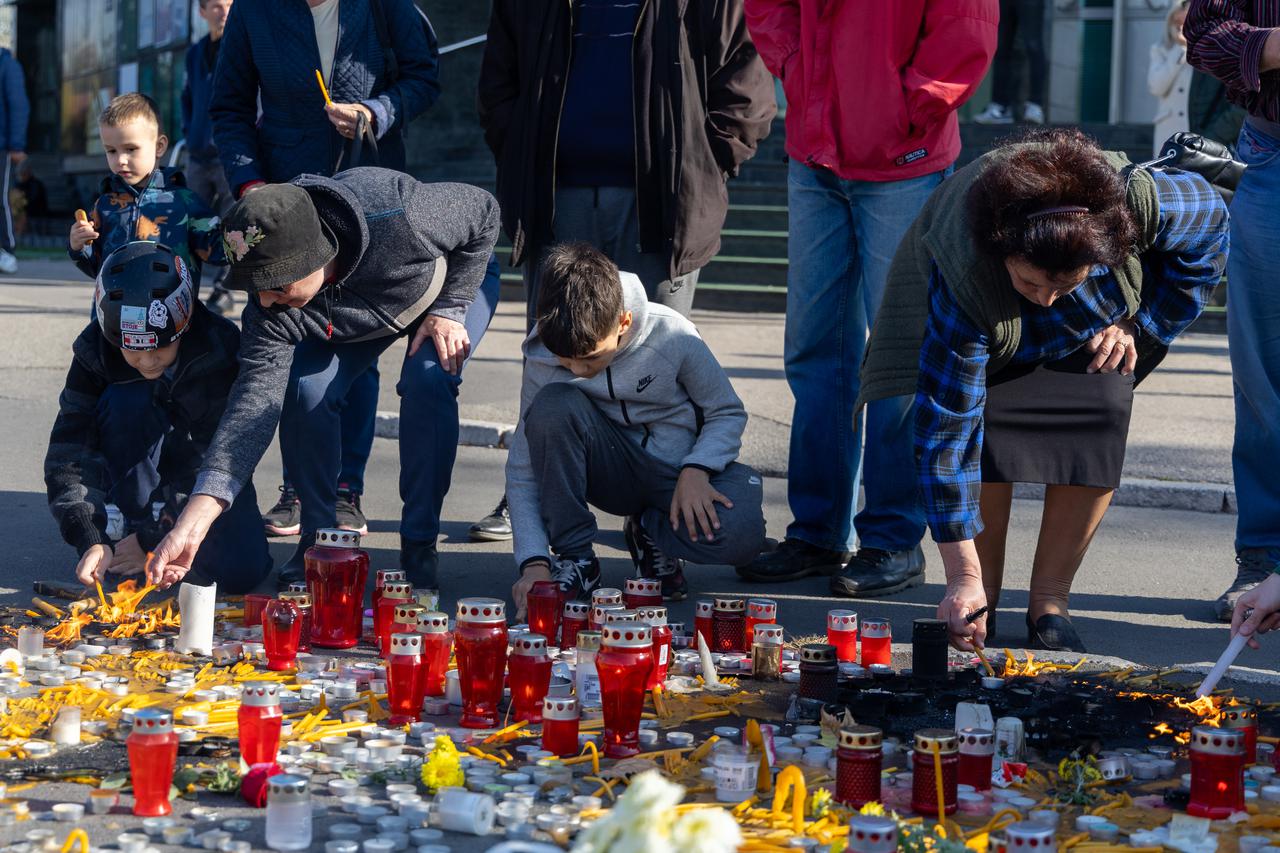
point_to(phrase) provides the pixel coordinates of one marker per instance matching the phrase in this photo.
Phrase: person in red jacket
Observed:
(872, 91)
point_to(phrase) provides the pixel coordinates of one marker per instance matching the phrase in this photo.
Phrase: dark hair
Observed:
(1016, 205)
(128, 107)
(579, 299)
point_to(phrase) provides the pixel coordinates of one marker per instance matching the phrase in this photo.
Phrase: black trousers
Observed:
(1020, 19)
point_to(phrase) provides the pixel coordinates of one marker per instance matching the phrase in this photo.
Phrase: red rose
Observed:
(254, 785)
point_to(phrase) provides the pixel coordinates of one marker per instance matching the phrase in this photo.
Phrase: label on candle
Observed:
(662, 654)
(589, 686)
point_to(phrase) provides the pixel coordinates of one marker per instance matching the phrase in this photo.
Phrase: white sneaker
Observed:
(1033, 113)
(8, 263)
(994, 114)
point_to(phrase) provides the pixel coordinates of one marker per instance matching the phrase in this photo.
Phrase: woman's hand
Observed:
(695, 501)
(451, 340)
(93, 565)
(129, 557)
(1257, 610)
(345, 117)
(1113, 346)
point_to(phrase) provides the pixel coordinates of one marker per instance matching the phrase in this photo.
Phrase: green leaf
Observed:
(117, 781)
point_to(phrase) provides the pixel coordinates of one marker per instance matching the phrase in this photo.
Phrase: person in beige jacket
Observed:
(1169, 78)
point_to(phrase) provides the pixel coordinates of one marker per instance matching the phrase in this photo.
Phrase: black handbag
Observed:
(1212, 160)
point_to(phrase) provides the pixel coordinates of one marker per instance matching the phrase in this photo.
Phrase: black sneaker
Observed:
(347, 511)
(576, 577)
(873, 572)
(792, 560)
(220, 301)
(295, 569)
(650, 562)
(494, 527)
(420, 562)
(1253, 566)
(285, 518)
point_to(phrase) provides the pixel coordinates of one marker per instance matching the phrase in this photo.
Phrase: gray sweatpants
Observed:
(583, 459)
(606, 218)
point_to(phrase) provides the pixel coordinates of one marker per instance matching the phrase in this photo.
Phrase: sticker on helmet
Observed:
(179, 304)
(133, 318)
(158, 315)
(146, 340)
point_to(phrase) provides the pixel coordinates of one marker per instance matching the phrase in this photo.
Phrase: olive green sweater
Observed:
(941, 235)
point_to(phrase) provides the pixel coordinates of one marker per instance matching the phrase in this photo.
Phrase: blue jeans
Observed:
(842, 238)
(1253, 315)
(312, 432)
(358, 414)
(132, 432)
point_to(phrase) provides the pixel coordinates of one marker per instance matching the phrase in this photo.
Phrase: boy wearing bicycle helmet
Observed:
(148, 382)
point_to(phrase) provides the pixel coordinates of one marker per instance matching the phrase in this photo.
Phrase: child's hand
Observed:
(93, 565)
(82, 234)
(1256, 610)
(695, 499)
(129, 558)
(534, 572)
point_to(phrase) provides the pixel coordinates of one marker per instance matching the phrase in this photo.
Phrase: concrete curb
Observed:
(1151, 494)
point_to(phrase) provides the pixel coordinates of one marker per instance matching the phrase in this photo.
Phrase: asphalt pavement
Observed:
(1143, 594)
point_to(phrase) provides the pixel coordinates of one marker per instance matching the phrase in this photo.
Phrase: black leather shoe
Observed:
(1053, 633)
(420, 563)
(873, 572)
(494, 527)
(295, 570)
(792, 560)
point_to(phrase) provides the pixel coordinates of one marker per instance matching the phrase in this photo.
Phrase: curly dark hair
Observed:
(1065, 170)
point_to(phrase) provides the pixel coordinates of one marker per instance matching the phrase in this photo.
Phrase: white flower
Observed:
(640, 822)
(706, 831)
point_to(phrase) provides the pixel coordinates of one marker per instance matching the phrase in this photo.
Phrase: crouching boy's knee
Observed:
(557, 407)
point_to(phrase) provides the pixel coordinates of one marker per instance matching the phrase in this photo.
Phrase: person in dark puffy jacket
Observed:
(378, 61)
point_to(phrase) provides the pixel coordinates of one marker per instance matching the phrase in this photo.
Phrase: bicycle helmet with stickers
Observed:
(144, 296)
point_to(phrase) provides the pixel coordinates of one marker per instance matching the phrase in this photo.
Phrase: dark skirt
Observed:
(1054, 423)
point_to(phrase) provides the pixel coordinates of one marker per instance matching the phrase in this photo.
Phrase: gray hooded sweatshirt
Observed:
(664, 387)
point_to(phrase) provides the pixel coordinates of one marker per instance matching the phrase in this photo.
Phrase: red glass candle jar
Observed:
(760, 611)
(404, 620)
(259, 721)
(482, 659)
(381, 578)
(1245, 719)
(529, 672)
(437, 647)
(253, 604)
(153, 754)
(924, 787)
(656, 619)
(642, 592)
(336, 573)
(1217, 772)
(624, 662)
(599, 615)
(819, 673)
(703, 615)
(842, 632)
(1028, 837)
(404, 678)
(621, 614)
(872, 834)
(877, 642)
(394, 593)
(281, 631)
(858, 764)
(729, 625)
(575, 617)
(546, 606)
(603, 597)
(977, 751)
(560, 725)
(302, 601)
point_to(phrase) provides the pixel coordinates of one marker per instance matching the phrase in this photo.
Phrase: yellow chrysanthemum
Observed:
(442, 769)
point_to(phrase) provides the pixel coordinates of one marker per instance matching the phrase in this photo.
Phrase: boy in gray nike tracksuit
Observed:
(624, 408)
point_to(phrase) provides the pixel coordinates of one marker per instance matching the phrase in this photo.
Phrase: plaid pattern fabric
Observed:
(1179, 274)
